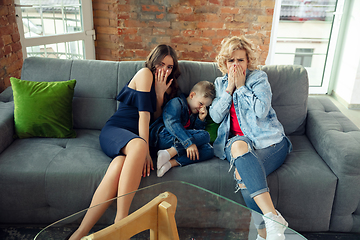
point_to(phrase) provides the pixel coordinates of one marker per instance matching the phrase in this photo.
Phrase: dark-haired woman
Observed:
(126, 134)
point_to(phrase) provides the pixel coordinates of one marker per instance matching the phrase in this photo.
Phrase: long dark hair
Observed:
(156, 56)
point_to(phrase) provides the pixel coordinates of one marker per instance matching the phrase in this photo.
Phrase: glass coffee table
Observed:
(199, 214)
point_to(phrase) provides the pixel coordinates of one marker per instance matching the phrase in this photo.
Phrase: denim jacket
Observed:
(252, 103)
(174, 117)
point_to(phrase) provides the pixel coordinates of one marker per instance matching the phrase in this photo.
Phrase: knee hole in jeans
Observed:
(239, 148)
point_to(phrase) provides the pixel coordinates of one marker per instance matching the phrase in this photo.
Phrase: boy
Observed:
(180, 134)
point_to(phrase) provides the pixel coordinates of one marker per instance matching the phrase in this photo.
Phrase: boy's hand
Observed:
(203, 113)
(192, 152)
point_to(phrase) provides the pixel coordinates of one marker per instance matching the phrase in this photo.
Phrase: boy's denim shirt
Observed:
(174, 117)
(252, 103)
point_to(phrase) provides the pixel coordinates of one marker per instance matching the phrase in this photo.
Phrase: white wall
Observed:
(356, 93)
(346, 78)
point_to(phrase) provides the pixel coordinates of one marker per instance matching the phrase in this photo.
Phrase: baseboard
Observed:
(343, 102)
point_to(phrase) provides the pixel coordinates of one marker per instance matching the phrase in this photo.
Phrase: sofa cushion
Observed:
(46, 179)
(52, 69)
(43, 109)
(193, 72)
(94, 98)
(289, 85)
(304, 181)
(211, 127)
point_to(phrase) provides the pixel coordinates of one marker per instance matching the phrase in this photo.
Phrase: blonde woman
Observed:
(250, 136)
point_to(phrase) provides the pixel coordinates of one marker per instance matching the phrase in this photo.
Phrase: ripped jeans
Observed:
(253, 167)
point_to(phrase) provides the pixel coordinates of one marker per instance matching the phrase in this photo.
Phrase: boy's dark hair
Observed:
(206, 88)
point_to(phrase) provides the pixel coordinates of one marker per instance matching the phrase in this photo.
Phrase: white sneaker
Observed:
(274, 230)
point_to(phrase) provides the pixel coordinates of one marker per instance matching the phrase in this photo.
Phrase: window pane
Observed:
(46, 18)
(64, 50)
(297, 60)
(303, 56)
(300, 10)
(303, 35)
(307, 61)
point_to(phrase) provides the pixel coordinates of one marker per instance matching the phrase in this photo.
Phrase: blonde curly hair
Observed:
(230, 45)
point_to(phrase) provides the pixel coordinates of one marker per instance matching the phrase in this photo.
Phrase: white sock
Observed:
(163, 169)
(163, 157)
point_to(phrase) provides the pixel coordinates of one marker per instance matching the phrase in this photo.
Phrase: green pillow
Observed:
(212, 128)
(43, 109)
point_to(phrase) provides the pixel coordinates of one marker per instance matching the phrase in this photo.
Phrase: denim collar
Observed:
(183, 98)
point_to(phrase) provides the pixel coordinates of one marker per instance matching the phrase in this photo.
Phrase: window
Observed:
(64, 50)
(303, 56)
(56, 29)
(305, 33)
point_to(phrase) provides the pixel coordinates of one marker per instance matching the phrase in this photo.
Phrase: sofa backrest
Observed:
(95, 91)
(289, 85)
(193, 72)
(290, 89)
(99, 82)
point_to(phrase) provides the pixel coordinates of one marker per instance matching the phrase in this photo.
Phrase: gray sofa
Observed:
(45, 179)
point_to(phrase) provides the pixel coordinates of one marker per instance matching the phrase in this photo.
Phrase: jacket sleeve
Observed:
(256, 94)
(198, 125)
(222, 102)
(172, 120)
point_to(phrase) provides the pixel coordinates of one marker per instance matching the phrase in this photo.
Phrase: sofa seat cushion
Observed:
(201, 174)
(45, 177)
(297, 181)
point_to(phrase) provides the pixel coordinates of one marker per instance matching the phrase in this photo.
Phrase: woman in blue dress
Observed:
(126, 134)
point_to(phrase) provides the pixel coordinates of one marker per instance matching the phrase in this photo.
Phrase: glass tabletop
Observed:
(200, 214)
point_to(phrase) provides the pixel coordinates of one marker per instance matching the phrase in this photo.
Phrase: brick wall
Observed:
(129, 29)
(11, 58)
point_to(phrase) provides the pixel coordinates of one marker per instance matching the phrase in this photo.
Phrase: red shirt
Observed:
(188, 122)
(234, 123)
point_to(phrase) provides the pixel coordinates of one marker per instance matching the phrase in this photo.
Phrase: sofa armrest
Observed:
(6, 124)
(337, 141)
(334, 136)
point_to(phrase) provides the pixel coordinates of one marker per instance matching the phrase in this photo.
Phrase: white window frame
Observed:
(87, 35)
(324, 88)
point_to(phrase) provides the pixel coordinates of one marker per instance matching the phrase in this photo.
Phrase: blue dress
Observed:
(124, 124)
